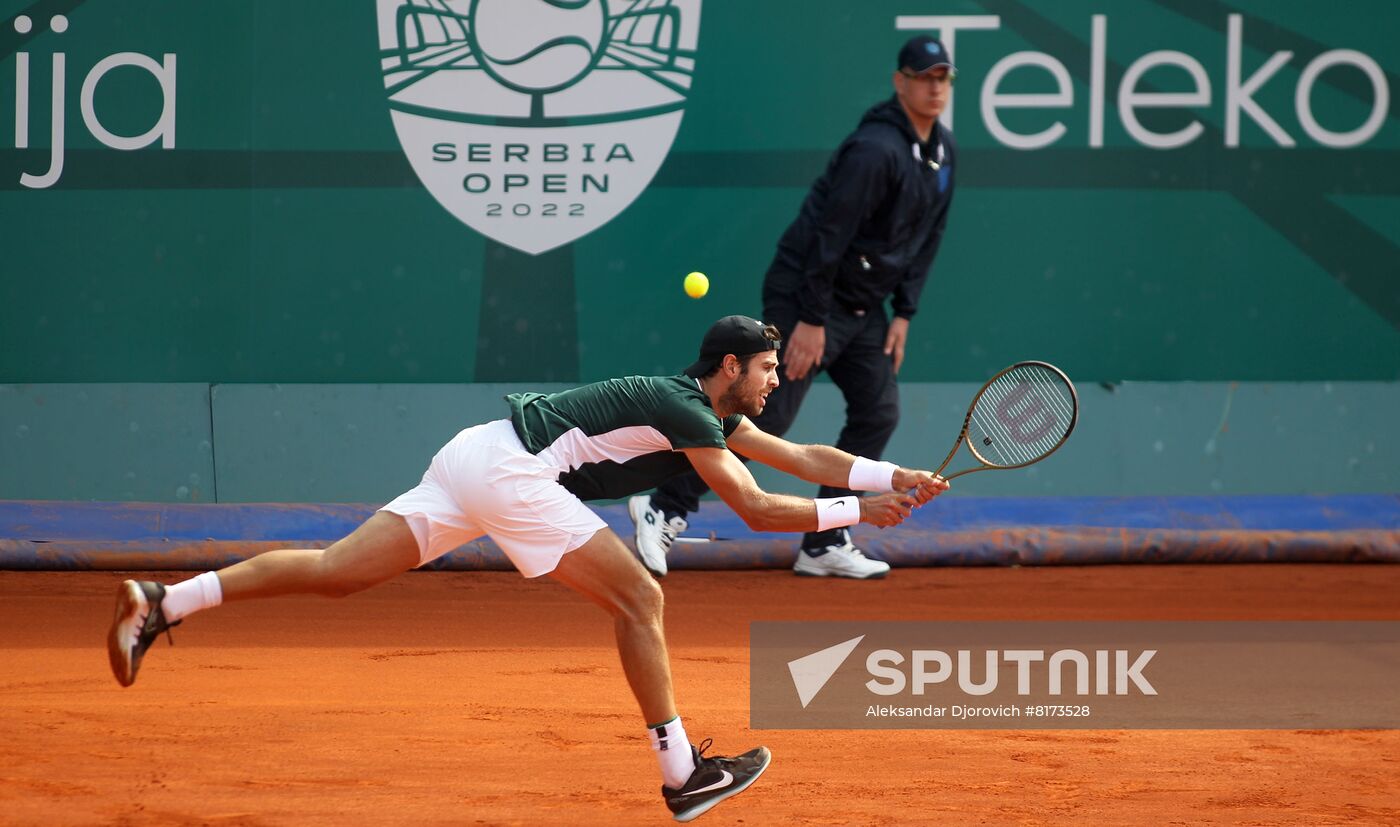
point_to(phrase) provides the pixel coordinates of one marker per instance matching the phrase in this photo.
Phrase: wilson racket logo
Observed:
(1022, 415)
(1028, 423)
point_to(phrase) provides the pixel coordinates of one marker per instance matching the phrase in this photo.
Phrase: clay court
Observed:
(263, 261)
(483, 698)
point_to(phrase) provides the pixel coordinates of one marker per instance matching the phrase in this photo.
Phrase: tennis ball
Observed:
(538, 46)
(696, 285)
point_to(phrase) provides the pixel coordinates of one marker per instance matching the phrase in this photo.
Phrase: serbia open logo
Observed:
(535, 122)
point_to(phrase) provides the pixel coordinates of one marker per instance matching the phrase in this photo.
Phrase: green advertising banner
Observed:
(513, 190)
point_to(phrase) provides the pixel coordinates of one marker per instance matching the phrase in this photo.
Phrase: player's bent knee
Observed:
(339, 577)
(642, 601)
(379, 550)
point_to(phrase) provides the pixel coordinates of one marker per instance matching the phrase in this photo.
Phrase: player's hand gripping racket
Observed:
(1022, 415)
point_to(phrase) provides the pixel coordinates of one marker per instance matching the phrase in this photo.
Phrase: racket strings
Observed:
(1047, 387)
(1041, 420)
(1005, 444)
(1022, 416)
(994, 440)
(1039, 408)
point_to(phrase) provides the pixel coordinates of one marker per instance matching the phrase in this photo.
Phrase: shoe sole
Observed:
(637, 521)
(129, 600)
(879, 575)
(700, 809)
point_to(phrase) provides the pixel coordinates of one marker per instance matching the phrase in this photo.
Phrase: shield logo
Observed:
(535, 122)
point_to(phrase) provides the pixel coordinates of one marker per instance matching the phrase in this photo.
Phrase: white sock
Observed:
(184, 599)
(673, 751)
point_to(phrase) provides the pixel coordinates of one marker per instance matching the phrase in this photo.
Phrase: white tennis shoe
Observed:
(655, 533)
(844, 560)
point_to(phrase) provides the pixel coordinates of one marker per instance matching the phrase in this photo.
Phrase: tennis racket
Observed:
(1022, 415)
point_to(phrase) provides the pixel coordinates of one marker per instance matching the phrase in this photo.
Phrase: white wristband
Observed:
(869, 475)
(837, 512)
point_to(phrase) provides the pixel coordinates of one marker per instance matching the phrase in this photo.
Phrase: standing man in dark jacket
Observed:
(867, 232)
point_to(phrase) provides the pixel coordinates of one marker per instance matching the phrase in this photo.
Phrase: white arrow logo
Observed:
(811, 672)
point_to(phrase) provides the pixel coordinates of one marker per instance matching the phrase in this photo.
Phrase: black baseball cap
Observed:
(739, 335)
(922, 53)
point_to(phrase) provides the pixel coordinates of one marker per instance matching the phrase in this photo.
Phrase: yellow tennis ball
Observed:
(696, 285)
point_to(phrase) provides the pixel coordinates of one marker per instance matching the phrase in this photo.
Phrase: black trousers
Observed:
(855, 359)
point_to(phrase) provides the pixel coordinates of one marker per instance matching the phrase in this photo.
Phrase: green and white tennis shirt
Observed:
(621, 436)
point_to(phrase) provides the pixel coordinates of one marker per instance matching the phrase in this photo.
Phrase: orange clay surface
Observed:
(488, 699)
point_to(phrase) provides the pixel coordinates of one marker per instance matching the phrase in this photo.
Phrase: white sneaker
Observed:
(844, 560)
(654, 533)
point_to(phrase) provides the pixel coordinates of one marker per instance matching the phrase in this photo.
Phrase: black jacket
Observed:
(871, 223)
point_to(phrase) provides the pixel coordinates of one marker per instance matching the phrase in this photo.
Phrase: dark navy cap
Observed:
(922, 53)
(739, 335)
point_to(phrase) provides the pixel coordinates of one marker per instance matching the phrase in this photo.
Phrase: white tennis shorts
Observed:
(485, 482)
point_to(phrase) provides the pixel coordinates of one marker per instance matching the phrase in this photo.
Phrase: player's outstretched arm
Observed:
(825, 465)
(762, 511)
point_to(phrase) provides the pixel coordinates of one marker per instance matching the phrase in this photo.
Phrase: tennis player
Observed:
(522, 481)
(859, 249)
